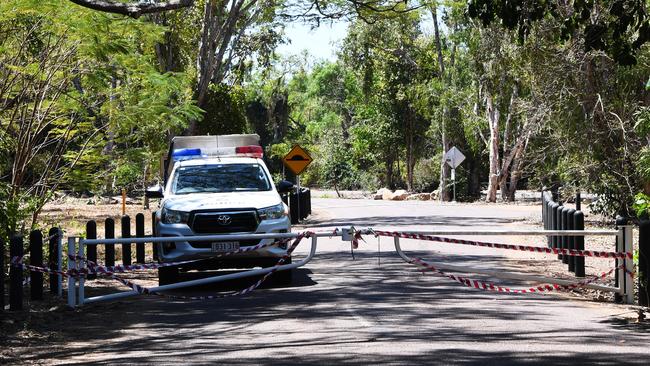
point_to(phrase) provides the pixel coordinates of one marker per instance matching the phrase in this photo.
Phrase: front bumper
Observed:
(183, 250)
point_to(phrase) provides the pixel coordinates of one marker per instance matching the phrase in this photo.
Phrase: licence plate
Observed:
(225, 246)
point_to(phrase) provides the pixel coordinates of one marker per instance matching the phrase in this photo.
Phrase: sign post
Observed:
(297, 161)
(453, 158)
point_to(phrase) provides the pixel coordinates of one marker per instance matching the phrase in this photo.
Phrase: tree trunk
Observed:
(516, 173)
(507, 149)
(410, 154)
(445, 170)
(493, 120)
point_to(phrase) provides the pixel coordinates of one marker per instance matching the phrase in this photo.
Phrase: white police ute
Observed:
(218, 185)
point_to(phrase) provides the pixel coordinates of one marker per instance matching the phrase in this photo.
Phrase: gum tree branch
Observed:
(135, 8)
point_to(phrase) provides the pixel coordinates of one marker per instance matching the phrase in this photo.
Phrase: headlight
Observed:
(273, 212)
(174, 217)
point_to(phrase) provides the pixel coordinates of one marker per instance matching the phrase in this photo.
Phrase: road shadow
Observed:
(402, 305)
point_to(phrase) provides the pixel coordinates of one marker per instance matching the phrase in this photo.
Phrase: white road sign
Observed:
(454, 157)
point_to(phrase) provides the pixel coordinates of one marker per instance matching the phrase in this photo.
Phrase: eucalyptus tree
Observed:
(73, 86)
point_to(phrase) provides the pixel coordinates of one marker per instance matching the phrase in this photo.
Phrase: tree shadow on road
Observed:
(352, 312)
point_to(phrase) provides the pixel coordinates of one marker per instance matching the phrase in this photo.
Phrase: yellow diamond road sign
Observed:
(297, 160)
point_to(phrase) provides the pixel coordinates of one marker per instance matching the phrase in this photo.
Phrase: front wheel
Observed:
(284, 277)
(167, 275)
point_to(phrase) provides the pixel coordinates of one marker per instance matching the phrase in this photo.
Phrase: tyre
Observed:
(167, 275)
(284, 277)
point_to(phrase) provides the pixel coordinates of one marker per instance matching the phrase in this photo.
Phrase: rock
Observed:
(419, 197)
(377, 196)
(435, 195)
(399, 195)
(386, 194)
(91, 201)
(118, 199)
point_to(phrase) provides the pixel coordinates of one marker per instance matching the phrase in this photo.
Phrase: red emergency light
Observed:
(252, 151)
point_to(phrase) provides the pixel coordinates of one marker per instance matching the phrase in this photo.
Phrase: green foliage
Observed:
(641, 205)
(224, 112)
(618, 27)
(83, 105)
(426, 174)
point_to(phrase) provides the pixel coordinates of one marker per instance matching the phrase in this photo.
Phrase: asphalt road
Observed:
(373, 309)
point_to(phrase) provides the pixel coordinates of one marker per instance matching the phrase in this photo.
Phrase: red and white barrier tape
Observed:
(139, 267)
(109, 270)
(526, 248)
(488, 286)
(145, 290)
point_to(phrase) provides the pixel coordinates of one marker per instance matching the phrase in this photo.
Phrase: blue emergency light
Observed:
(186, 154)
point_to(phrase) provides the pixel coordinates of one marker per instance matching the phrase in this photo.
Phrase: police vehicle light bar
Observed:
(251, 151)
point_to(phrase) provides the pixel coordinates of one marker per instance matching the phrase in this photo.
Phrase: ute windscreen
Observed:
(220, 178)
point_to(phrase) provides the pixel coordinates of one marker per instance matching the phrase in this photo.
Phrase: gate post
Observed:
(644, 262)
(619, 274)
(36, 259)
(126, 233)
(15, 274)
(629, 264)
(139, 233)
(72, 281)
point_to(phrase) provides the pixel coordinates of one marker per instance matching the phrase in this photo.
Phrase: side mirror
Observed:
(284, 186)
(154, 192)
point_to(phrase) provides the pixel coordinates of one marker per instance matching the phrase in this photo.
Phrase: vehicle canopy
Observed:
(205, 147)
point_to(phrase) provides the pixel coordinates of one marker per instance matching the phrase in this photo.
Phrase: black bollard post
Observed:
(549, 222)
(53, 258)
(109, 233)
(139, 233)
(571, 239)
(560, 226)
(579, 244)
(153, 233)
(36, 259)
(309, 202)
(126, 233)
(644, 262)
(554, 226)
(565, 239)
(578, 201)
(91, 250)
(293, 208)
(544, 210)
(2, 275)
(15, 274)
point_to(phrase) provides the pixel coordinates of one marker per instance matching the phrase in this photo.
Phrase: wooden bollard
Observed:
(36, 259)
(153, 233)
(109, 233)
(53, 257)
(2, 275)
(139, 233)
(15, 274)
(126, 233)
(91, 250)
(579, 243)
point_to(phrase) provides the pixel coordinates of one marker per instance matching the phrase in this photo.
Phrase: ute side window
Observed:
(220, 178)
